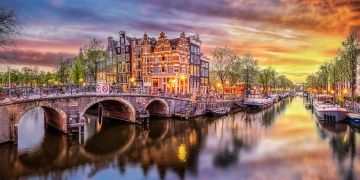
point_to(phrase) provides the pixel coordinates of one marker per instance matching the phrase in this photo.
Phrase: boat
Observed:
(354, 119)
(308, 106)
(325, 109)
(219, 111)
(274, 97)
(256, 101)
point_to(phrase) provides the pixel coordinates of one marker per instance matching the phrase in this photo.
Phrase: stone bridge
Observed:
(66, 112)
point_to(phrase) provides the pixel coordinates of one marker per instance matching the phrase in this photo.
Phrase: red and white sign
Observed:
(103, 88)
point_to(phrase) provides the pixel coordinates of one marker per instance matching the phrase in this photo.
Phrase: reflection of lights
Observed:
(192, 137)
(182, 153)
(87, 120)
(346, 138)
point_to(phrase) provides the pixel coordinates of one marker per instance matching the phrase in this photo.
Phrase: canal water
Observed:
(284, 141)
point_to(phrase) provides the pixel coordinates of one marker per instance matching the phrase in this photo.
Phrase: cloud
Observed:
(31, 58)
(290, 62)
(296, 34)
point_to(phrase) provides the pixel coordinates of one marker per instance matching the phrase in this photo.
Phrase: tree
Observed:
(77, 71)
(265, 77)
(93, 52)
(63, 71)
(221, 63)
(248, 71)
(8, 27)
(349, 53)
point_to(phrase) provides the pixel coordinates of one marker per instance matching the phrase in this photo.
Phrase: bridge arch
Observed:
(158, 107)
(128, 109)
(54, 116)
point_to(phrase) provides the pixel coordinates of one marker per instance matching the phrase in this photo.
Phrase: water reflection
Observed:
(282, 142)
(34, 122)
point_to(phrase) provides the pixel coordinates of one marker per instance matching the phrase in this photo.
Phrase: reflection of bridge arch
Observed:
(54, 116)
(50, 151)
(92, 152)
(158, 136)
(125, 107)
(158, 107)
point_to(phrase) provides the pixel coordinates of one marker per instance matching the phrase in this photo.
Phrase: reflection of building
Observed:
(162, 64)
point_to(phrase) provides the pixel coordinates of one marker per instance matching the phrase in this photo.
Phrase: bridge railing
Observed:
(24, 93)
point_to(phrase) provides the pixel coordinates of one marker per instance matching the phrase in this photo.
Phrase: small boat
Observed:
(274, 97)
(354, 119)
(255, 101)
(219, 111)
(307, 105)
(325, 109)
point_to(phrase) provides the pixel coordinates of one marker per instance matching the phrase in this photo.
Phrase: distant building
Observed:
(153, 65)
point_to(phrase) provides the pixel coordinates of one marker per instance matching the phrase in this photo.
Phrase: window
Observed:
(173, 48)
(170, 59)
(127, 57)
(163, 69)
(183, 70)
(127, 48)
(127, 67)
(156, 70)
(163, 58)
(155, 82)
(170, 69)
(155, 60)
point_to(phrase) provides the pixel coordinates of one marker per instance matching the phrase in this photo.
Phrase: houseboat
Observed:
(256, 101)
(326, 109)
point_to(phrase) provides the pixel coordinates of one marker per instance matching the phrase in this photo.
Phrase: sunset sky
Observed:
(294, 36)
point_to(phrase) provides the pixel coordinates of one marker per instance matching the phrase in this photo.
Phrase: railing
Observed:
(24, 93)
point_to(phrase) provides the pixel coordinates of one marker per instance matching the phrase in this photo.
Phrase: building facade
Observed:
(156, 65)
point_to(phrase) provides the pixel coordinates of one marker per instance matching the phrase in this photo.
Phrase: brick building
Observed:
(156, 64)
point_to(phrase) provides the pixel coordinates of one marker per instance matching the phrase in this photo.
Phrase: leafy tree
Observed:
(93, 52)
(248, 71)
(265, 77)
(221, 63)
(78, 71)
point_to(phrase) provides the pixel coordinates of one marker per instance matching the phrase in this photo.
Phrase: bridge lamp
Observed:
(345, 91)
(132, 79)
(332, 92)
(218, 85)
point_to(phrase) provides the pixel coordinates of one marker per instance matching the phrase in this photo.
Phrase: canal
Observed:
(284, 141)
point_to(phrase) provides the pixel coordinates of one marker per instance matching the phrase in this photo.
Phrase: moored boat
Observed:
(325, 109)
(219, 111)
(354, 119)
(255, 101)
(274, 97)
